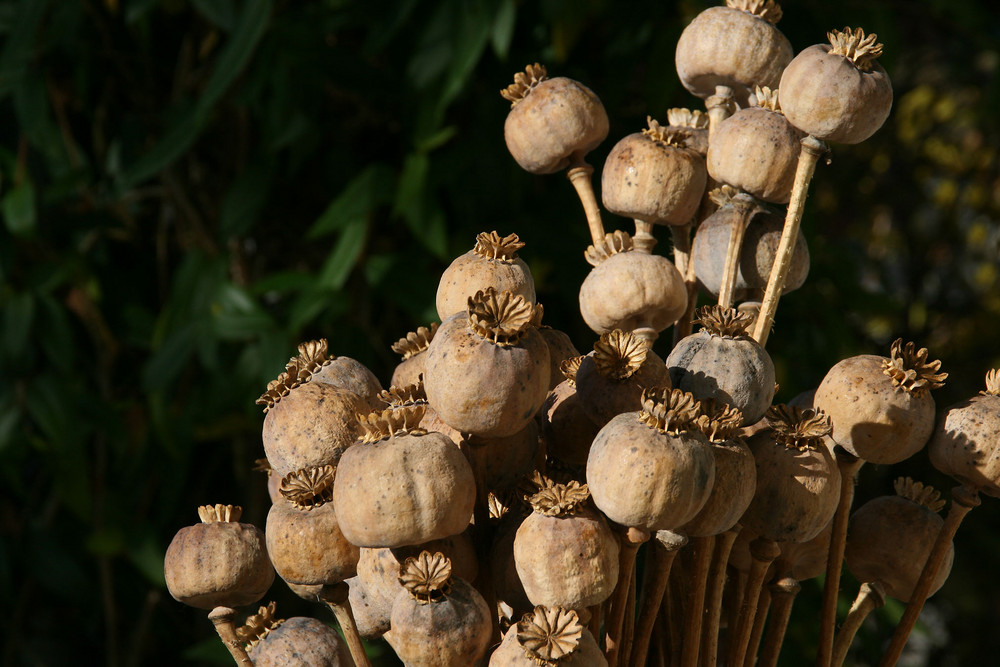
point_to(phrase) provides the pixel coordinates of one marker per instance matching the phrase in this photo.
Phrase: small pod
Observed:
(566, 427)
(411, 348)
(341, 372)
(550, 636)
(303, 641)
(492, 262)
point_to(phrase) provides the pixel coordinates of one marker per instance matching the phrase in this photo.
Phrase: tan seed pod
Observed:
(492, 263)
(566, 426)
(548, 637)
(965, 442)
(695, 123)
(304, 641)
(561, 348)
(411, 347)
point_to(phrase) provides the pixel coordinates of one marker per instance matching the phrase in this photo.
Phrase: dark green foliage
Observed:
(189, 189)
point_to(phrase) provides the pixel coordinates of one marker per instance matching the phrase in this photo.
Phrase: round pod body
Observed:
(407, 487)
(564, 551)
(965, 443)
(492, 262)
(757, 255)
(694, 124)
(508, 459)
(566, 427)
(552, 122)
(487, 373)
(548, 636)
(505, 579)
(730, 46)
(837, 92)
(352, 375)
(798, 483)
(652, 176)
(644, 471)
(629, 290)
(411, 348)
(371, 618)
(561, 348)
(723, 363)
(756, 150)
(881, 408)
(890, 538)
(805, 560)
(302, 641)
(219, 562)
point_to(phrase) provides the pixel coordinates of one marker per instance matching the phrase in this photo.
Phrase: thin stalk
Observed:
(848, 465)
(963, 499)
(335, 596)
(631, 539)
(477, 454)
(595, 621)
(812, 148)
(579, 175)
(720, 107)
(757, 632)
(681, 236)
(713, 604)
(643, 241)
(762, 552)
(222, 618)
(783, 594)
(664, 548)
(743, 206)
(628, 632)
(702, 549)
(682, 327)
(871, 596)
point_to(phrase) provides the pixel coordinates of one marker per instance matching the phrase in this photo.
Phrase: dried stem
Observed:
(644, 239)
(223, 617)
(871, 596)
(743, 205)
(848, 466)
(681, 236)
(963, 499)
(664, 549)
(757, 631)
(631, 540)
(702, 548)
(720, 107)
(762, 552)
(628, 632)
(783, 594)
(335, 596)
(812, 148)
(713, 605)
(579, 175)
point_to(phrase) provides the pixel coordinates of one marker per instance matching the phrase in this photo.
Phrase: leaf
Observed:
(171, 358)
(146, 553)
(18, 316)
(368, 190)
(220, 13)
(471, 36)
(20, 47)
(503, 28)
(409, 193)
(438, 139)
(246, 197)
(341, 261)
(18, 207)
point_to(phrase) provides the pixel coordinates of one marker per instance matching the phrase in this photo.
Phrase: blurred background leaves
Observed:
(188, 188)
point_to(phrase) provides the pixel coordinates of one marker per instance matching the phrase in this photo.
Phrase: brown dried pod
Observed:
(492, 262)
(654, 177)
(561, 348)
(506, 459)
(439, 620)
(757, 255)
(648, 290)
(304, 539)
(564, 551)
(299, 640)
(737, 46)
(804, 560)
(610, 380)
(308, 423)
(652, 469)
(837, 91)
(890, 537)
(695, 123)
(411, 348)
(566, 427)
(756, 150)
(487, 372)
(882, 408)
(548, 637)
(965, 443)
(402, 485)
(552, 123)
(798, 483)
(273, 480)
(341, 372)
(218, 562)
(724, 363)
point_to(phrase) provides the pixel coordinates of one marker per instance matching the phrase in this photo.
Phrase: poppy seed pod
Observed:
(411, 348)
(304, 641)
(965, 443)
(551, 636)
(492, 262)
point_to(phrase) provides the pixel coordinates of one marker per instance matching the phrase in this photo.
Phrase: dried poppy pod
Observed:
(507, 511)
(439, 620)
(342, 372)
(756, 149)
(695, 123)
(492, 262)
(272, 642)
(552, 123)
(611, 379)
(804, 560)
(566, 427)
(630, 290)
(411, 348)
(758, 252)
(549, 636)
(561, 348)
(565, 553)
(735, 472)
(401, 485)
(304, 539)
(652, 469)
(837, 92)
(737, 46)
(964, 444)
(308, 423)
(487, 371)
(218, 562)
(722, 362)
(652, 176)
(890, 537)
(798, 484)
(882, 408)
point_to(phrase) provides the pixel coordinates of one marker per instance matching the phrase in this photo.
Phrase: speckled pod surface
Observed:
(510, 653)
(735, 483)
(471, 272)
(304, 642)
(353, 376)
(966, 443)
(307, 546)
(647, 291)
